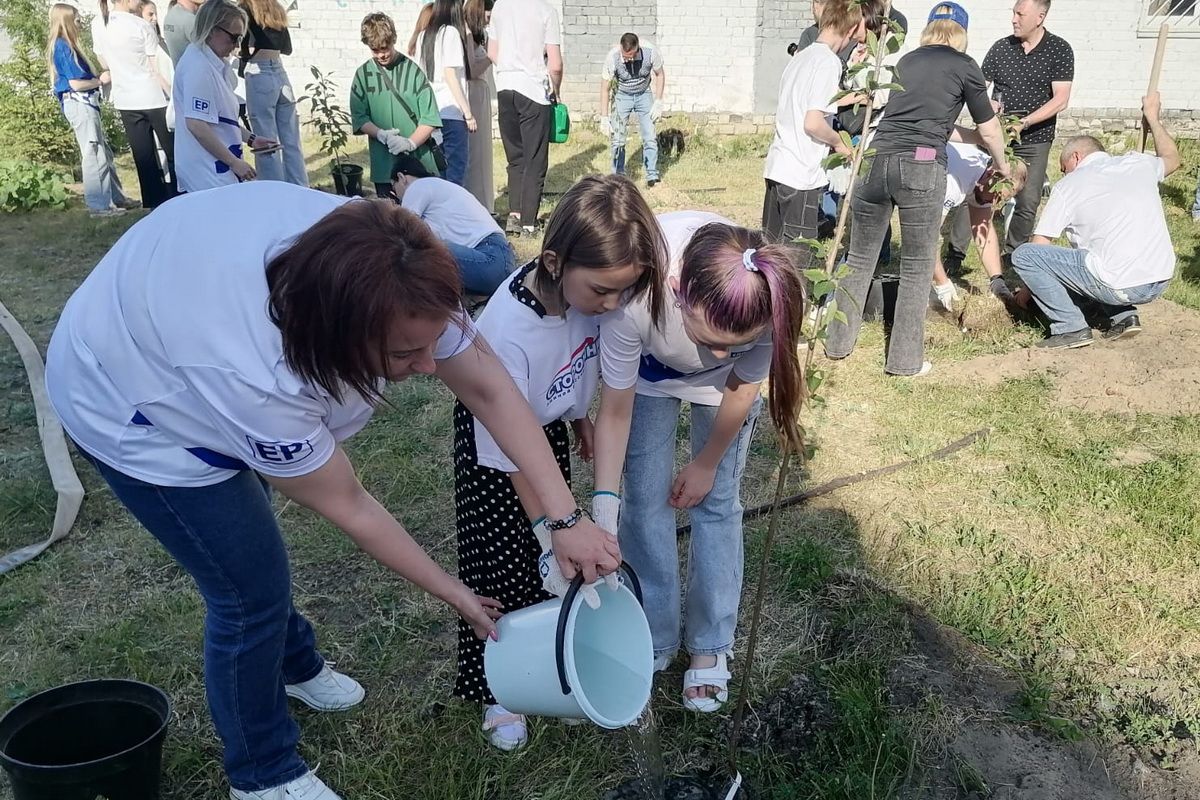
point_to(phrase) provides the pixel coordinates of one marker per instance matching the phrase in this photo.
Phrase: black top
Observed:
(260, 38)
(937, 81)
(1026, 78)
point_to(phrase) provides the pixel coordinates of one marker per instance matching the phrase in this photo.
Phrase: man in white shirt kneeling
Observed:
(1121, 253)
(483, 254)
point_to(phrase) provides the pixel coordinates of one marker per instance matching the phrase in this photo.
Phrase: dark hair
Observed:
(419, 27)
(629, 41)
(603, 221)
(407, 164)
(340, 285)
(875, 16)
(445, 12)
(475, 18)
(743, 284)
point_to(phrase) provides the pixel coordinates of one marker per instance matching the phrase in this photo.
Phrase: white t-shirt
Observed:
(809, 83)
(447, 53)
(165, 365)
(522, 29)
(553, 360)
(127, 46)
(453, 212)
(663, 361)
(1110, 207)
(965, 165)
(202, 91)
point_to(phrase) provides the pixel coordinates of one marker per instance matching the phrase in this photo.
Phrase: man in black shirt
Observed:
(1031, 74)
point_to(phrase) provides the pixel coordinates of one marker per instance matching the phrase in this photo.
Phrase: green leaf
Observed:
(872, 43)
(846, 140)
(892, 44)
(834, 160)
(840, 316)
(895, 87)
(815, 275)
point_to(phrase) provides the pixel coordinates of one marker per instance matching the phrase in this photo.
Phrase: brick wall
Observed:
(590, 30)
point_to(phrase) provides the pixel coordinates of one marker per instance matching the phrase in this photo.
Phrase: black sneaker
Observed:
(1068, 340)
(1130, 326)
(652, 182)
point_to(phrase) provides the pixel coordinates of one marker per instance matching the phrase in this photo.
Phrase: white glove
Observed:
(553, 581)
(382, 136)
(397, 144)
(656, 111)
(606, 512)
(605, 125)
(946, 295)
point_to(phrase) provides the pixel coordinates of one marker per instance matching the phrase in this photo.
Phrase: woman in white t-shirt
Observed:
(442, 54)
(128, 48)
(736, 315)
(602, 248)
(208, 145)
(205, 361)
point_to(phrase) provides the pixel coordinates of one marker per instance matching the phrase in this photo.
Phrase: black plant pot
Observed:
(347, 179)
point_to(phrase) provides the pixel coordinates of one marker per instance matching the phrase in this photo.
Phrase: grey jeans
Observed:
(101, 186)
(917, 189)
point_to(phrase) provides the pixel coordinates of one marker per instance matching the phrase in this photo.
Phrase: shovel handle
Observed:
(568, 601)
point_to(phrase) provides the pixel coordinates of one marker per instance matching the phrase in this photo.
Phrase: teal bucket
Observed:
(561, 658)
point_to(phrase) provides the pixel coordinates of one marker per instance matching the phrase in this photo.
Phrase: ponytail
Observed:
(744, 284)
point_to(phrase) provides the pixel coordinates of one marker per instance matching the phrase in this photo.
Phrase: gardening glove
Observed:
(656, 111)
(606, 512)
(398, 145)
(946, 295)
(553, 581)
(383, 136)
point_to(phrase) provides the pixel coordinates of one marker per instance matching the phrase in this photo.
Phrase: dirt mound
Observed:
(987, 752)
(1157, 371)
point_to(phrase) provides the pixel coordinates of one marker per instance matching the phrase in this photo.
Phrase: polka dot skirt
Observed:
(497, 551)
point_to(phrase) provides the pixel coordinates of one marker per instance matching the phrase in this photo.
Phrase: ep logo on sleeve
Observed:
(200, 104)
(279, 452)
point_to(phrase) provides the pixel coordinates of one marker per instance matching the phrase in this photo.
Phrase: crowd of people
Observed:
(326, 299)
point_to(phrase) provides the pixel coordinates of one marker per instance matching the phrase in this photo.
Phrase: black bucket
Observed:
(85, 739)
(881, 299)
(347, 179)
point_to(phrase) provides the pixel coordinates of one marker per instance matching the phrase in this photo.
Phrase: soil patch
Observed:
(1157, 371)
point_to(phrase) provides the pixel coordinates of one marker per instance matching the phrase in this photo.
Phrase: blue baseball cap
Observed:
(952, 11)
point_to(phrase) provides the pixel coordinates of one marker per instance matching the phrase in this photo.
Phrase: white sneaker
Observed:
(307, 787)
(505, 730)
(328, 691)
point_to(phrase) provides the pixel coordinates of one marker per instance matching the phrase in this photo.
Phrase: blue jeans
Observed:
(101, 186)
(639, 104)
(484, 266)
(455, 142)
(647, 535)
(255, 641)
(1054, 274)
(271, 106)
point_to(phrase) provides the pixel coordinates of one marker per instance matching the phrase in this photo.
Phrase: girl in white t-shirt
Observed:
(733, 316)
(602, 248)
(442, 54)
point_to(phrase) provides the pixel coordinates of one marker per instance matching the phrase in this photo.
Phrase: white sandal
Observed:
(505, 730)
(718, 676)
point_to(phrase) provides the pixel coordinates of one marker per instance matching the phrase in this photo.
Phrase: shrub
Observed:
(25, 186)
(32, 125)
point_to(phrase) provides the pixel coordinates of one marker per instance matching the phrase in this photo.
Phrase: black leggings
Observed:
(141, 128)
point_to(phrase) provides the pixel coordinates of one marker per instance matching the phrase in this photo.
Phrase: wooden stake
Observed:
(1160, 50)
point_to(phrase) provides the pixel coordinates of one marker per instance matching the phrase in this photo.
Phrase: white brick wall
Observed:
(711, 46)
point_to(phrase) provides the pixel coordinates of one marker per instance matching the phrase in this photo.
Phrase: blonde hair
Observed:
(842, 16)
(945, 31)
(378, 31)
(266, 13)
(64, 24)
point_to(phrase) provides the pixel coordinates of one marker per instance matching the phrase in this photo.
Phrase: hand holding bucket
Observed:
(562, 658)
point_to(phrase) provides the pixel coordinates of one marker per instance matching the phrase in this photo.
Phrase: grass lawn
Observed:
(1063, 548)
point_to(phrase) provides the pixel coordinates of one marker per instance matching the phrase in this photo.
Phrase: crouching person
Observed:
(1120, 254)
